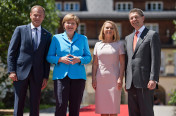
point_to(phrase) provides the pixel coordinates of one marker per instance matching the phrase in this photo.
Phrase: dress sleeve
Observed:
(95, 50)
(121, 48)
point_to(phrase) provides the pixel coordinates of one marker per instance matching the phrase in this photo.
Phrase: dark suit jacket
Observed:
(143, 64)
(22, 57)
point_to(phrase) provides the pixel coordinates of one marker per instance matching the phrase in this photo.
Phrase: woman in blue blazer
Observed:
(69, 51)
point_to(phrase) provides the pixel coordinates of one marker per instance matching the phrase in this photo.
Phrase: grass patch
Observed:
(42, 106)
(45, 106)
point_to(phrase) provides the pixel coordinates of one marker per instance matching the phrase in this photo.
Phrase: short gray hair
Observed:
(38, 6)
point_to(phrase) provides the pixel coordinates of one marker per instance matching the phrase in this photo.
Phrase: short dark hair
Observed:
(139, 11)
(38, 6)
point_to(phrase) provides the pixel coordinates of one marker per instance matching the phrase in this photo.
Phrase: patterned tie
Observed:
(35, 41)
(135, 40)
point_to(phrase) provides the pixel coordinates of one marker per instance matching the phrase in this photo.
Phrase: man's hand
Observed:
(44, 84)
(13, 76)
(151, 85)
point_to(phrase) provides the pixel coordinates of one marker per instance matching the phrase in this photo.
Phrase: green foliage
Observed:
(6, 92)
(45, 106)
(42, 106)
(47, 95)
(173, 95)
(123, 96)
(174, 35)
(172, 100)
(5, 86)
(12, 14)
(17, 12)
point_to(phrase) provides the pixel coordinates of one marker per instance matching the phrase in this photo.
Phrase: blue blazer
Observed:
(21, 55)
(61, 46)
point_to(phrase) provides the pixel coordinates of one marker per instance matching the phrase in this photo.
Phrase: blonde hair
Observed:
(116, 36)
(70, 16)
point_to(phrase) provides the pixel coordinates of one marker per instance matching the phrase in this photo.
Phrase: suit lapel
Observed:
(74, 37)
(141, 39)
(65, 36)
(43, 38)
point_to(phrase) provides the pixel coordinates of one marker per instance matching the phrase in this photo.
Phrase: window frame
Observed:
(69, 5)
(123, 6)
(56, 3)
(152, 3)
(119, 27)
(151, 25)
(79, 28)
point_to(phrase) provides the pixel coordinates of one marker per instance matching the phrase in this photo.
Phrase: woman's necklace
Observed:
(70, 38)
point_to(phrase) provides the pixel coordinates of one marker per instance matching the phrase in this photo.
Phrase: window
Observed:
(168, 62)
(82, 29)
(123, 6)
(59, 5)
(154, 6)
(152, 26)
(119, 29)
(71, 6)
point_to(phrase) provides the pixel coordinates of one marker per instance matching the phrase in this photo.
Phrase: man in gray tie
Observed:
(27, 65)
(142, 65)
(35, 39)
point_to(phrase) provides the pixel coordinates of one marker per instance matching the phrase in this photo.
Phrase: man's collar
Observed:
(38, 28)
(141, 29)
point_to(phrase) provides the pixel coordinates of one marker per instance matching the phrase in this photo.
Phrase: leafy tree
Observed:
(12, 14)
(17, 12)
(173, 95)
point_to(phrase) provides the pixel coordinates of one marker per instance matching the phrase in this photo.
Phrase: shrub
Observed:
(172, 100)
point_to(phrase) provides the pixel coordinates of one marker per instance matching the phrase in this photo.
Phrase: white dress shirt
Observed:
(140, 31)
(38, 33)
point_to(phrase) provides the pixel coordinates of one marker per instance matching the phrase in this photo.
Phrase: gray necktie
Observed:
(35, 41)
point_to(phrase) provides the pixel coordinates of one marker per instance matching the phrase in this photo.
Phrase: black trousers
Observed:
(68, 91)
(140, 101)
(20, 90)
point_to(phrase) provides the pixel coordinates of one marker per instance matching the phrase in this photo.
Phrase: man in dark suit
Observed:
(27, 65)
(142, 65)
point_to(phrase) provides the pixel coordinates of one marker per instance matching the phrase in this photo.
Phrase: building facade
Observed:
(159, 16)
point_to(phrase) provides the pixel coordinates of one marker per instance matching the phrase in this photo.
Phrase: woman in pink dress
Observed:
(108, 70)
